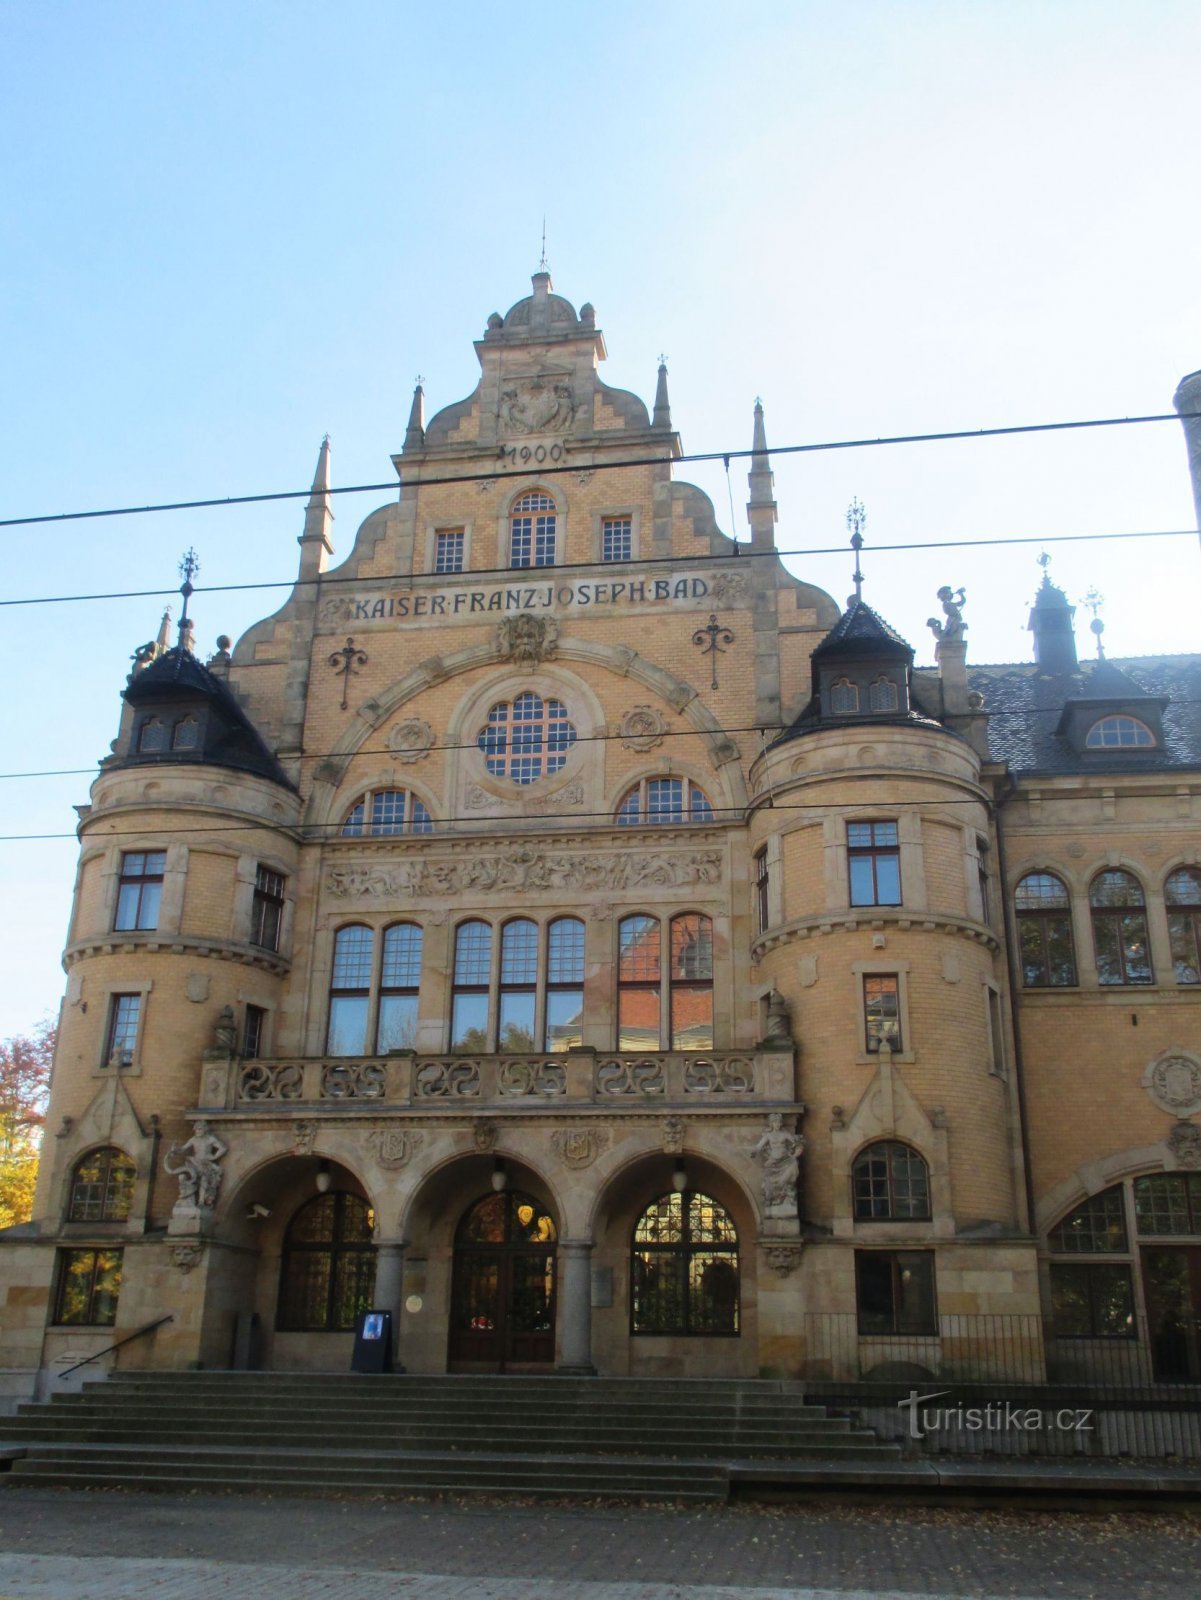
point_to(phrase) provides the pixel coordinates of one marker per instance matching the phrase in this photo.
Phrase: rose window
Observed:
(527, 738)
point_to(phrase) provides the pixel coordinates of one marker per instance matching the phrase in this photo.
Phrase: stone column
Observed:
(575, 1301)
(389, 1282)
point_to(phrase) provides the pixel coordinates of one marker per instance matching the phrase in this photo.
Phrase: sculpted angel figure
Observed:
(198, 1172)
(780, 1153)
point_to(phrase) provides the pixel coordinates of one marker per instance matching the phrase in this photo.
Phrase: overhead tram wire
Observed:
(941, 436)
(740, 553)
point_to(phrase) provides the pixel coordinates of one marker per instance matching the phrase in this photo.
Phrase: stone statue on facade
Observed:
(953, 602)
(780, 1152)
(197, 1170)
(778, 1033)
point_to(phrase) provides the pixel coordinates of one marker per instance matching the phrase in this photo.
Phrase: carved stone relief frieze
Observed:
(521, 869)
(783, 1258)
(304, 1136)
(447, 1080)
(547, 1079)
(394, 1148)
(259, 1081)
(410, 740)
(642, 728)
(673, 1135)
(483, 1135)
(187, 1256)
(542, 403)
(354, 1080)
(729, 1075)
(1184, 1142)
(527, 640)
(630, 1078)
(1173, 1080)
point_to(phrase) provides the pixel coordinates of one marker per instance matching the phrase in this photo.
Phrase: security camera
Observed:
(257, 1210)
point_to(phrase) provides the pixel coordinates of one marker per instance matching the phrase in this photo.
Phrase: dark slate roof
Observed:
(231, 739)
(860, 629)
(1024, 707)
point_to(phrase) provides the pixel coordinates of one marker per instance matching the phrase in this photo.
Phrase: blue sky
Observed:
(230, 228)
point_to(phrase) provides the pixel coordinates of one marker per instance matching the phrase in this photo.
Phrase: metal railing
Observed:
(120, 1344)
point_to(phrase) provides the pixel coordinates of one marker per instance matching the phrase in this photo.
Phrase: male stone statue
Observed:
(198, 1173)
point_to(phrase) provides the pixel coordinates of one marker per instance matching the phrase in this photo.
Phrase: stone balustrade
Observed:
(616, 1079)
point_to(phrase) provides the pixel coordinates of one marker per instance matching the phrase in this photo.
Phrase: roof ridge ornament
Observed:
(856, 522)
(189, 566)
(1094, 600)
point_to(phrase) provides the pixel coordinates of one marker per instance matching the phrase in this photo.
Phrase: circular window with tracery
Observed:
(526, 738)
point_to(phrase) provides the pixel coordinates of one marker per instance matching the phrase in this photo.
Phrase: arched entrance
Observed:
(502, 1307)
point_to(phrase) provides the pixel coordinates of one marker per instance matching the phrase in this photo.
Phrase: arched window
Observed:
(399, 982)
(526, 739)
(882, 695)
(385, 812)
(186, 733)
(469, 1028)
(1120, 928)
(1119, 733)
(102, 1187)
(1045, 931)
(844, 696)
(1092, 1299)
(890, 1182)
(691, 982)
(670, 800)
(327, 1274)
(532, 526)
(350, 990)
(1182, 895)
(152, 736)
(684, 1268)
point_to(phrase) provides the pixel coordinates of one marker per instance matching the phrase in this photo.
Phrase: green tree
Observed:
(24, 1084)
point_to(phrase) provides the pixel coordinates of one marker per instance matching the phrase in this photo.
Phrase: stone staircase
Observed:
(629, 1438)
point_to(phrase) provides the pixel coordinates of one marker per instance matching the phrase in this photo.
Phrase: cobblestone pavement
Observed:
(69, 1545)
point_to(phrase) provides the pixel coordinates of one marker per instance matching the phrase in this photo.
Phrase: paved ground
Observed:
(68, 1545)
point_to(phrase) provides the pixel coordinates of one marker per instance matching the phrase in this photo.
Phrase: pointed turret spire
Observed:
(163, 642)
(315, 543)
(662, 416)
(415, 432)
(761, 507)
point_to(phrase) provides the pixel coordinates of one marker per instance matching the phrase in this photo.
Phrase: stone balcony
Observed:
(617, 1080)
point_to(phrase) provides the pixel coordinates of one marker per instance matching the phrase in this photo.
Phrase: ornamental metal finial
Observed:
(542, 266)
(707, 638)
(1094, 600)
(856, 522)
(345, 661)
(189, 566)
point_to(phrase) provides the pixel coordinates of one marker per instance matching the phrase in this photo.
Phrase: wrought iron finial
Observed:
(542, 264)
(189, 566)
(348, 660)
(1044, 562)
(856, 522)
(662, 359)
(707, 638)
(1094, 600)
(419, 381)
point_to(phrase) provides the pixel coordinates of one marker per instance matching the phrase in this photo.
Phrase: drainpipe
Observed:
(1011, 953)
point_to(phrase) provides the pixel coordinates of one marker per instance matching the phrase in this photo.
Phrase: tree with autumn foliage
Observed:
(24, 1084)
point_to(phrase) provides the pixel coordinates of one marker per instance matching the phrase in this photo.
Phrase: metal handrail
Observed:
(128, 1339)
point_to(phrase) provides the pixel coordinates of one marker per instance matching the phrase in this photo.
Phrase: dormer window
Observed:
(882, 695)
(844, 696)
(186, 733)
(1119, 733)
(152, 736)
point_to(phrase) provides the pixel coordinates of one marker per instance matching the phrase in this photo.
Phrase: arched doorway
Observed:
(502, 1310)
(327, 1271)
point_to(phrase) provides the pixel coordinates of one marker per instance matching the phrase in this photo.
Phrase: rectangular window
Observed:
(895, 1291)
(882, 1011)
(448, 550)
(691, 983)
(470, 1002)
(1092, 1301)
(254, 1031)
(400, 979)
(996, 1030)
(125, 1014)
(617, 538)
(89, 1282)
(350, 990)
(140, 889)
(761, 891)
(1168, 1202)
(639, 979)
(267, 911)
(874, 863)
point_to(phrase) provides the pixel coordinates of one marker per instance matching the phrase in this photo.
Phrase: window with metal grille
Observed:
(1120, 941)
(1182, 896)
(124, 1016)
(526, 739)
(684, 1271)
(532, 525)
(882, 695)
(448, 550)
(140, 889)
(890, 1182)
(152, 736)
(89, 1284)
(267, 909)
(386, 812)
(617, 538)
(844, 696)
(186, 733)
(664, 800)
(1044, 921)
(102, 1187)
(327, 1274)
(874, 863)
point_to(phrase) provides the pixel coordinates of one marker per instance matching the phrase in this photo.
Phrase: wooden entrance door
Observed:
(1172, 1278)
(502, 1315)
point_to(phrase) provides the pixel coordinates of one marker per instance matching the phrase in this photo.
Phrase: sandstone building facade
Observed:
(563, 928)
